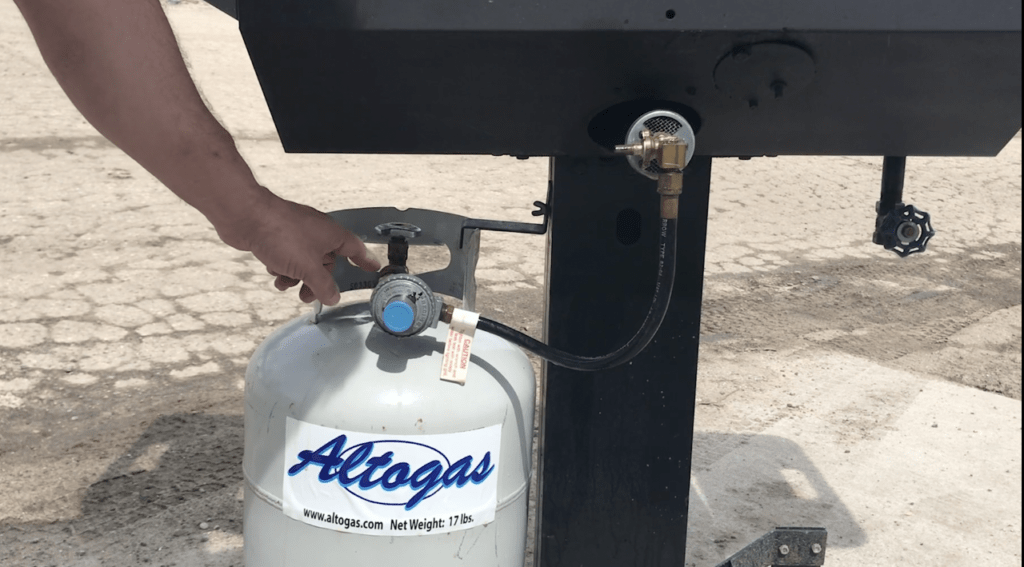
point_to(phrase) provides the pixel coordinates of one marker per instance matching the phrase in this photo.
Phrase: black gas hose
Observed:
(660, 155)
(650, 326)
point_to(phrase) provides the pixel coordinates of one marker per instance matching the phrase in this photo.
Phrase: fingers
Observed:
(283, 282)
(321, 284)
(366, 261)
(353, 248)
(300, 245)
(328, 262)
(306, 294)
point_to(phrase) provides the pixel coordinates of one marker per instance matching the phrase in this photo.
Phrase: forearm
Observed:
(119, 63)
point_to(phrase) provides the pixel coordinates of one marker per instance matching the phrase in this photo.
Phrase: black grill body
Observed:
(518, 77)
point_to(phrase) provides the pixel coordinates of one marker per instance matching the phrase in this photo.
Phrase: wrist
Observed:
(209, 173)
(240, 213)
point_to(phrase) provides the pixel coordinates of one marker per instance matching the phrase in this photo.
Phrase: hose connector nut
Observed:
(670, 183)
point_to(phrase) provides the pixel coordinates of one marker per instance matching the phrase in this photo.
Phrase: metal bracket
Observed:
(457, 280)
(506, 226)
(783, 547)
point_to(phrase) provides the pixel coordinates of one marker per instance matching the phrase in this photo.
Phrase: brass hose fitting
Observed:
(668, 153)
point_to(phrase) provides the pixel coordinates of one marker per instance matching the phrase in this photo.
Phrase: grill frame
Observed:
(517, 78)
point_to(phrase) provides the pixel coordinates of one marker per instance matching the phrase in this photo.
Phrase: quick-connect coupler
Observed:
(659, 145)
(403, 305)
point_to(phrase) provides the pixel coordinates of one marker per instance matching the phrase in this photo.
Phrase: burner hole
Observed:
(670, 14)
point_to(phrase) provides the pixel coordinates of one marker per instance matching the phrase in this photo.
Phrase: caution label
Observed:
(458, 348)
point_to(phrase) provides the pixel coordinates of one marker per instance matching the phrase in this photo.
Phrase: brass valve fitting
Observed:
(668, 153)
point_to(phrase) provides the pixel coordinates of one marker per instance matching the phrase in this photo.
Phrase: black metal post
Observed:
(893, 172)
(616, 444)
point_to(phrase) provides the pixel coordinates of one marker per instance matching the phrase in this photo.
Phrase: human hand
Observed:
(298, 244)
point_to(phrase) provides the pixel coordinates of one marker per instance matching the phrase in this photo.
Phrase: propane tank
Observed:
(358, 453)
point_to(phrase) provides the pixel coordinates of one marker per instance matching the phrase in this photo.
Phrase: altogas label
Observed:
(390, 484)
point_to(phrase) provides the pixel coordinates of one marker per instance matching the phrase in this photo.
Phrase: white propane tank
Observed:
(357, 454)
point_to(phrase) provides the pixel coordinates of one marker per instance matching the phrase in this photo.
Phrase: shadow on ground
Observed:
(757, 483)
(185, 469)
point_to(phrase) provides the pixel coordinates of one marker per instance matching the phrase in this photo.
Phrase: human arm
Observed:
(120, 65)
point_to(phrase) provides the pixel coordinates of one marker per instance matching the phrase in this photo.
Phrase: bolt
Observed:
(908, 232)
(816, 548)
(783, 550)
(778, 87)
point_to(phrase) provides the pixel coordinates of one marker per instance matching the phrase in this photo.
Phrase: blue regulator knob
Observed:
(398, 316)
(403, 305)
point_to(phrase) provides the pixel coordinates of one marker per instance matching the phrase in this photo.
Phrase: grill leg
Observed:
(616, 444)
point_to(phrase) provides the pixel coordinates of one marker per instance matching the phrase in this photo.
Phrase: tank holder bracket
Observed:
(793, 547)
(437, 228)
(460, 234)
(542, 209)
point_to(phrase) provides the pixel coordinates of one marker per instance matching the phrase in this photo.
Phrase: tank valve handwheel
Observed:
(902, 228)
(905, 230)
(398, 230)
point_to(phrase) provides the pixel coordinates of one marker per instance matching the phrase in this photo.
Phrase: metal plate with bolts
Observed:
(783, 547)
